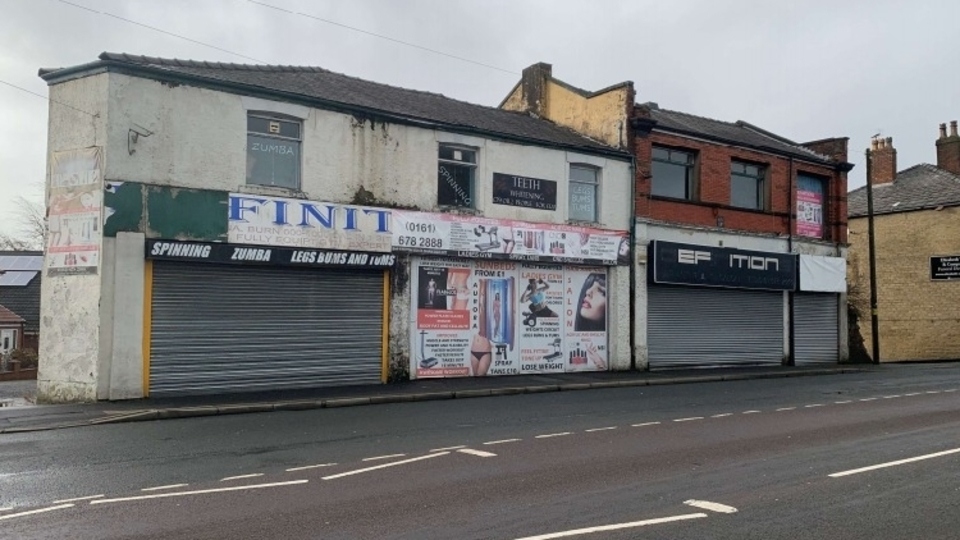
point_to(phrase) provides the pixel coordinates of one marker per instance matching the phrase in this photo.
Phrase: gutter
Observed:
(166, 75)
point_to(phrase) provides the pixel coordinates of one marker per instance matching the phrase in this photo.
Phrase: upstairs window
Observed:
(584, 193)
(456, 176)
(811, 206)
(747, 185)
(273, 151)
(673, 173)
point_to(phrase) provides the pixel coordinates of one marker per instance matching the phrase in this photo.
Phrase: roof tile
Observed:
(919, 187)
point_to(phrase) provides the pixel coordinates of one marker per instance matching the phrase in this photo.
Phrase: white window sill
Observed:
(276, 191)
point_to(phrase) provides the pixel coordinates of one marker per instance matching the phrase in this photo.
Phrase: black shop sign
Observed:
(221, 253)
(524, 192)
(689, 264)
(945, 268)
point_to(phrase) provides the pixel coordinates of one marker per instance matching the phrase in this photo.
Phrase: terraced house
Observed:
(739, 233)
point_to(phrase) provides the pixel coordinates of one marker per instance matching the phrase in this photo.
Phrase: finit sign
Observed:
(686, 264)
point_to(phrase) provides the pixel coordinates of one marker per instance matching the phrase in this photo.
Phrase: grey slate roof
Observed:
(25, 300)
(920, 187)
(739, 133)
(317, 84)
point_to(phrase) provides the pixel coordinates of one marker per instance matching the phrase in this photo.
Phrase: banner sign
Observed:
(282, 222)
(809, 206)
(690, 264)
(945, 268)
(278, 221)
(524, 192)
(484, 318)
(218, 252)
(481, 238)
(73, 217)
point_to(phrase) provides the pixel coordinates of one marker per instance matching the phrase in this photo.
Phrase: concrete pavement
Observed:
(45, 417)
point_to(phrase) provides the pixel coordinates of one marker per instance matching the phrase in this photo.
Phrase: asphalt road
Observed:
(744, 459)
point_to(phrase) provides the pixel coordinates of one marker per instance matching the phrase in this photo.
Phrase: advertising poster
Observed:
(809, 214)
(541, 322)
(485, 318)
(73, 212)
(585, 299)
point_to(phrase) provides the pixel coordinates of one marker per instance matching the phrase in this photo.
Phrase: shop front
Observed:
(816, 309)
(501, 297)
(715, 306)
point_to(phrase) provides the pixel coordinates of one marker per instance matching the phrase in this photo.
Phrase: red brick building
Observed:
(739, 235)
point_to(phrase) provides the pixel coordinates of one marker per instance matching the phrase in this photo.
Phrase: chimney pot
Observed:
(874, 144)
(953, 128)
(883, 162)
(943, 131)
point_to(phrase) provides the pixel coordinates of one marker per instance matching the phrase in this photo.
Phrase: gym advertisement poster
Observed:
(486, 318)
(73, 216)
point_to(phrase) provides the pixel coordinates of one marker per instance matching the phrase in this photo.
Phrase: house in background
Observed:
(20, 277)
(739, 233)
(11, 330)
(917, 238)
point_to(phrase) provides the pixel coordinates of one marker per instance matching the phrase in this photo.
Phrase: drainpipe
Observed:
(791, 341)
(634, 255)
(874, 320)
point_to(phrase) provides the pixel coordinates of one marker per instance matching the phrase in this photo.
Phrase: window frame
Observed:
(596, 182)
(691, 183)
(824, 204)
(471, 166)
(266, 115)
(761, 179)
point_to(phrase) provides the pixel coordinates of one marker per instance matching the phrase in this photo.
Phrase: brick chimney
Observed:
(883, 161)
(948, 148)
(534, 87)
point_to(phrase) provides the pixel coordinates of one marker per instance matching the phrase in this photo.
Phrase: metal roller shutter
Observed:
(689, 326)
(816, 328)
(225, 328)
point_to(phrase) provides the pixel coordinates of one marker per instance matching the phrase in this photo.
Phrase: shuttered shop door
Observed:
(816, 328)
(224, 328)
(689, 326)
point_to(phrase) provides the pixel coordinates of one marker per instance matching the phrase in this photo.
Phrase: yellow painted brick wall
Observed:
(919, 319)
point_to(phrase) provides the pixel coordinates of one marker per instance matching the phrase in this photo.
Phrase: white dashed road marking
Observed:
(6, 509)
(308, 467)
(894, 463)
(893, 396)
(594, 430)
(712, 506)
(844, 402)
(478, 453)
(384, 466)
(37, 511)
(645, 424)
(781, 409)
(388, 456)
(722, 415)
(549, 435)
(449, 448)
(241, 477)
(688, 419)
(869, 399)
(933, 391)
(501, 441)
(751, 412)
(78, 499)
(197, 492)
(171, 486)
(812, 405)
(614, 527)
(951, 390)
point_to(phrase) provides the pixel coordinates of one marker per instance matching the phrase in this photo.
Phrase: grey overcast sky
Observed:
(803, 69)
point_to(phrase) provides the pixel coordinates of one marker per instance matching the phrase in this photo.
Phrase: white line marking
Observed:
(614, 527)
(449, 448)
(6, 509)
(198, 492)
(750, 412)
(645, 424)
(893, 463)
(812, 405)
(933, 391)
(478, 453)
(549, 435)
(307, 467)
(712, 506)
(388, 456)
(844, 402)
(171, 486)
(722, 415)
(384, 466)
(893, 396)
(502, 441)
(869, 399)
(78, 499)
(688, 419)
(241, 477)
(911, 394)
(596, 429)
(37, 511)
(781, 409)
(951, 390)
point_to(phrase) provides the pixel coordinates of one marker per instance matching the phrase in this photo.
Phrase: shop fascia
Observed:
(294, 223)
